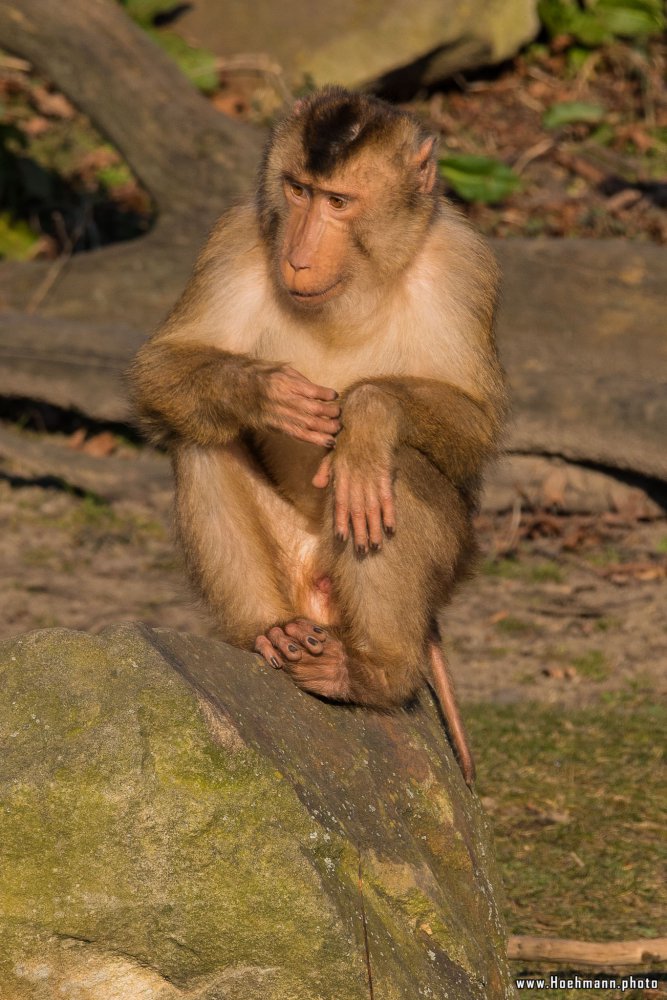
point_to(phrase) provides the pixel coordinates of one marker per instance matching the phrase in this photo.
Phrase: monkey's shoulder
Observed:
(456, 246)
(234, 235)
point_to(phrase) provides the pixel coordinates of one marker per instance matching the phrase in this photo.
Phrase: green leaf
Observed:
(572, 111)
(577, 56)
(115, 175)
(563, 17)
(199, 65)
(630, 18)
(478, 178)
(602, 20)
(16, 238)
(604, 135)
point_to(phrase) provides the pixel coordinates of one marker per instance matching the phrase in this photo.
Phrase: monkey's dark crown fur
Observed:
(338, 123)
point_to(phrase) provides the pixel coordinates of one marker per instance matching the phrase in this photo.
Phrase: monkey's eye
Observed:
(337, 202)
(297, 190)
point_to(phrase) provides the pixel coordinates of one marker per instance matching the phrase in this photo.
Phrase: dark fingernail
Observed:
(275, 662)
(292, 648)
(331, 444)
(316, 628)
(361, 550)
(340, 537)
(390, 532)
(375, 546)
(312, 641)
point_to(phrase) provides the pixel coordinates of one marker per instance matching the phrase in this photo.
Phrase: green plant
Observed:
(199, 65)
(597, 22)
(479, 178)
(572, 112)
(592, 665)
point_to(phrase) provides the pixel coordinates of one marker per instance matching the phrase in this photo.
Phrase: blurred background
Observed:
(127, 127)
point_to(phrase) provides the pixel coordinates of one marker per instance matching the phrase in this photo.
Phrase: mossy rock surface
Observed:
(176, 820)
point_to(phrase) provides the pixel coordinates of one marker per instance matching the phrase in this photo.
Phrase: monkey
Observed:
(329, 389)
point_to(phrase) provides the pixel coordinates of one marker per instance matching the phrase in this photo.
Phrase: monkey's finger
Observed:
(387, 505)
(322, 477)
(374, 520)
(265, 649)
(301, 407)
(289, 649)
(290, 421)
(295, 429)
(284, 414)
(342, 507)
(308, 388)
(313, 391)
(325, 425)
(312, 437)
(358, 519)
(303, 631)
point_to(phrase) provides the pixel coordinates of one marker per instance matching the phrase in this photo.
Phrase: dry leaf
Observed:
(53, 105)
(76, 440)
(100, 445)
(35, 126)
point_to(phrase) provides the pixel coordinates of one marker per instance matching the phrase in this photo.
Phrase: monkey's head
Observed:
(346, 192)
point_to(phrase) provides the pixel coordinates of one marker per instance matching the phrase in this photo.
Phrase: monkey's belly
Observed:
(292, 465)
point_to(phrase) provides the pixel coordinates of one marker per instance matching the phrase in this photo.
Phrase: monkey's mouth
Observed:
(315, 298)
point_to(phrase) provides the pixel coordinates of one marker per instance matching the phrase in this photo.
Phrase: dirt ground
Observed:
(573, 609)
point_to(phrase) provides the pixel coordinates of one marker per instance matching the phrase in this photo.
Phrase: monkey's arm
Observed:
(194, 391)
(199, 393)
(457, 432)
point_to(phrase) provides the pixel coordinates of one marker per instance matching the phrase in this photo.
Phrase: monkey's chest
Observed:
(291, 465)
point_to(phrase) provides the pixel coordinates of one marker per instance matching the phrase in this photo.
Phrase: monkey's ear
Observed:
(298, 106)
(425, 165)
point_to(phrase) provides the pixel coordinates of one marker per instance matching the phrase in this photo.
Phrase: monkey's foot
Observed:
(315, 660)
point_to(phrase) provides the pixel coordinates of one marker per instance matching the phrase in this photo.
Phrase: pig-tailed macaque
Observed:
(329, 390)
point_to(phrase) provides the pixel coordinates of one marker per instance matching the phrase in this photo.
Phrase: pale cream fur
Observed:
(421, 325)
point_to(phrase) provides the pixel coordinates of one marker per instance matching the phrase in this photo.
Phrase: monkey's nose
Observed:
(298, 263)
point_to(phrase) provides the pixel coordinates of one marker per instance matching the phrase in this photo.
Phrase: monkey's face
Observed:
(317, 250)
(346, 195)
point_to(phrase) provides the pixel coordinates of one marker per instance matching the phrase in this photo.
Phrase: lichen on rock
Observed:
(177, 820)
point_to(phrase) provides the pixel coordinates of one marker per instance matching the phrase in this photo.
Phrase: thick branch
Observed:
(187, 155)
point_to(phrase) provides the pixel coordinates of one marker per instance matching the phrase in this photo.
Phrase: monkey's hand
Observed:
(362, 469)
(298, 407)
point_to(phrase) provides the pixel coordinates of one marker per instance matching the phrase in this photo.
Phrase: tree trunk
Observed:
(189, 156)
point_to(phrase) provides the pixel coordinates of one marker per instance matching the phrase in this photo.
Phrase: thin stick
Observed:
(58, 266)
(604, 954)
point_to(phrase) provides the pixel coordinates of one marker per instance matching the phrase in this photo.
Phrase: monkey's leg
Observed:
(244, 544)
(387, 599)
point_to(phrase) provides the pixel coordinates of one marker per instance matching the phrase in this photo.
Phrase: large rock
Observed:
(354, 42)
(179, 821)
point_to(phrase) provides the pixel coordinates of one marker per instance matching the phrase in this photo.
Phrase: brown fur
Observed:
(397, 365)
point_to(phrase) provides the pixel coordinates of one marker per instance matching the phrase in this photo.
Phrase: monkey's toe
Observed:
(310, 636)
(276, 647)
(325, 674)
